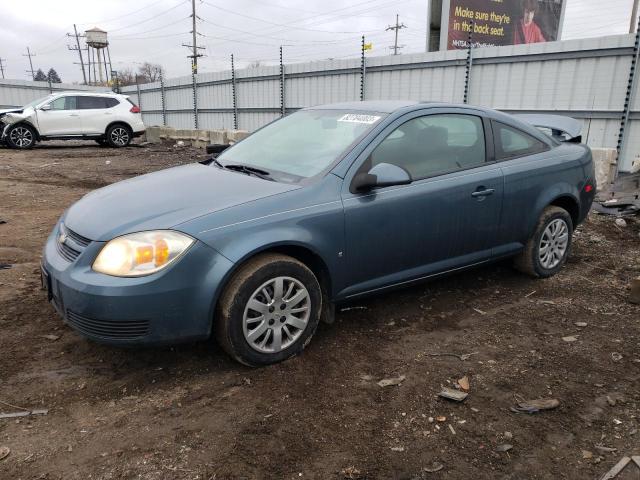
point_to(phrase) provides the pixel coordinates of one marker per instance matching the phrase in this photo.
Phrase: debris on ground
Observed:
(452, 429)
(435, 467)
(581, 324)
(451, 394)
(587, 455)
(25, 413)
(4, 453)
(397, 449)
(616, 357)
(603, 449)
(620, 466)
(463, 357)
(535, 406)
(348, 309)
(388, 382)
(571, 338)
(51, 337)
(2, 222)
(464, 383)
(5, 266)
(351, 473)
(441, 419)
(505, 447)
(621, 222)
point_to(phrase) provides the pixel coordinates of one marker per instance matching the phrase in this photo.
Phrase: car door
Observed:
(60, 117)
(95, 114)
(446, 218)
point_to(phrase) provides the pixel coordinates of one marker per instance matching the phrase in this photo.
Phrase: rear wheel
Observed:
(118, 136)
(548, 248)
(269, 310)
(21, 136)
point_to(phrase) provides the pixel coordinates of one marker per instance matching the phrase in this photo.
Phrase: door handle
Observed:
(484, 192)
(74, 115)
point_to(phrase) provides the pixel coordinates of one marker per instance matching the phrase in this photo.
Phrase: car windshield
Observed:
(37, 101)
(301, 145)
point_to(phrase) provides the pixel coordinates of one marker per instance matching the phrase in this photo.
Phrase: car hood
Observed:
(10, 110)
(164, 199)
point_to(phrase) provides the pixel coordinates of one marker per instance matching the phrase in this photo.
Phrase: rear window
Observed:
(511, 142)
(86, 102)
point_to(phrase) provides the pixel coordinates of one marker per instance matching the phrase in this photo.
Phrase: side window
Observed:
(511, 142)
(111, 102)
(70, 103)
(86, 103)
(58, 103)
(433, 145)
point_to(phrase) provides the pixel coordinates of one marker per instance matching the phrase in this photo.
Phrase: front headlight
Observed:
(142, 253)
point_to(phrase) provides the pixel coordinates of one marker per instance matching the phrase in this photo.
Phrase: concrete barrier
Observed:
(604, 160)
(195, 138)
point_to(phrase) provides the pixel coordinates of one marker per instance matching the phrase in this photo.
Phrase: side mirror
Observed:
(382, 175)
(46, 107)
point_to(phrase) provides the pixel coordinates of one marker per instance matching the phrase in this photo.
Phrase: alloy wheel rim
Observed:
(276, 315)
(553, 244)
(21, 137)
(119, 136)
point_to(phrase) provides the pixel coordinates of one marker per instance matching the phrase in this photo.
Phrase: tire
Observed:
(21, 136)
(555, 229)
(251, 335)
(118, 135)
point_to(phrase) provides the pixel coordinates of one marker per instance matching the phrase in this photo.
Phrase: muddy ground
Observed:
(191, 413)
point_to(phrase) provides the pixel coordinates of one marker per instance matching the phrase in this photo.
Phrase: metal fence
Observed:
(587, 79)
(16, 93)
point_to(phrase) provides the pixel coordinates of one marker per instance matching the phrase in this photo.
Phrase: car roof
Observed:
(92, 94)
(391, 106)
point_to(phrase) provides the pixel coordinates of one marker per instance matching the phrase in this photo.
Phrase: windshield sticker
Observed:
(359, 118)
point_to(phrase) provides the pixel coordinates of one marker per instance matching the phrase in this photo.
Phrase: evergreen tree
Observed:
(53, 77)
(40, 76)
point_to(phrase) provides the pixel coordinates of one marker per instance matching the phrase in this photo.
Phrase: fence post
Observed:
(283, 110)
(139, 96)
(162, 99)
(233, 94)
(195, 100)
(469, 64)
(363, 71)
(628, 103)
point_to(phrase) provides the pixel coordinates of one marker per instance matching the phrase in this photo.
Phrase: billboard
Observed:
(501, 22)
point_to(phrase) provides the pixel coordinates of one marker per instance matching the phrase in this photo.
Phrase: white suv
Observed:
(108, 118)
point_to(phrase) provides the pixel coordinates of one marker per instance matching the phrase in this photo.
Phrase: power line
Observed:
(150, 18)
(397, 27)
(29, 54)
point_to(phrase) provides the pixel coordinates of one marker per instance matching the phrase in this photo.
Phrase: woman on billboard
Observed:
(526, 30)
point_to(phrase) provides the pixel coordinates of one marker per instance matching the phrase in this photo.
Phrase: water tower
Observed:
(97, 51)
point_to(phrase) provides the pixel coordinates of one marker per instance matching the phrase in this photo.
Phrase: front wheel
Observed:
(269, 310)
(548, 248)
(118, 136)
(21, 136)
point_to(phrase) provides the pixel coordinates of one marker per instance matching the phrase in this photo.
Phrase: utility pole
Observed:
(2, 66)
(78, 49)
(194, 46)
(398, 26)
(29, 54)
(634, 15)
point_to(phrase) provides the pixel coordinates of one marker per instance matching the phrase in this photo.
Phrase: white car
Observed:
(108, 118)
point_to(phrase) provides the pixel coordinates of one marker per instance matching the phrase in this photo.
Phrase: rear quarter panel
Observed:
(534, 182)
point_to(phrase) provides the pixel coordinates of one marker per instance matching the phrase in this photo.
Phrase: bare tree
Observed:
(255, 64)
(150, 72)
(126, 77)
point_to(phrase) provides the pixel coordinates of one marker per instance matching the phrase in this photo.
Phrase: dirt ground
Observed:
(190, 412)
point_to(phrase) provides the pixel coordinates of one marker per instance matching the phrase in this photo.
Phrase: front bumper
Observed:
(171, 306)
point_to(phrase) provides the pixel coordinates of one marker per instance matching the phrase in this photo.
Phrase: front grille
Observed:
(72, 246)
(68, 253)
(79, 239)
(108, 329)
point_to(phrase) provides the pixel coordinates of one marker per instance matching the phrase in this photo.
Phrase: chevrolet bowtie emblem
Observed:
(62, 238)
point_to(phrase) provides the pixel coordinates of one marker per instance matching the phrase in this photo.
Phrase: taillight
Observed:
(588, 188)
(135, 109)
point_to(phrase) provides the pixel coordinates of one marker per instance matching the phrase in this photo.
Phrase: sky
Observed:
(253, 30)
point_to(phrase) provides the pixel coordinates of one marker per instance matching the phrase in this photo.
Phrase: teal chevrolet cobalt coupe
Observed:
(256, 245)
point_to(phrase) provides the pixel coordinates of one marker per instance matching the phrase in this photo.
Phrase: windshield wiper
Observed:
(249, 170)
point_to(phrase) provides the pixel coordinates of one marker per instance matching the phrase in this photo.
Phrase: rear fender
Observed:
(549, 196)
